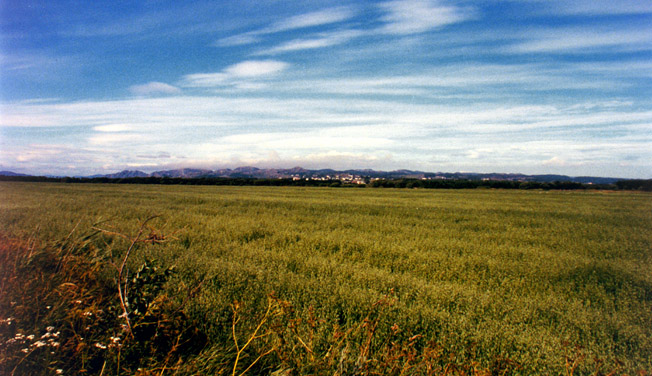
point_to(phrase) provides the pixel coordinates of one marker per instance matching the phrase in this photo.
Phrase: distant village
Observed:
(356, 179)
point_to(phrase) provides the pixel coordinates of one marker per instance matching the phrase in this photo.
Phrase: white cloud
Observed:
(559, 162)
(321, 41)
(205, 79)
(218, 128)
(142, 165)
(225, 112)
(237, 40)
(318, 18)
(417, 16)
(239, 75)
(113, 138)
(582, 40)
(303, 140)
(473, 81)
(152, 88)
(345, 160)
(323, 17)
(256, 68)
(599, 7)
(113, 128)
(47, 159)
(39, 153)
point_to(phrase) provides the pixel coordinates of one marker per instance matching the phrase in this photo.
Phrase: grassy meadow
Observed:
(520, 282)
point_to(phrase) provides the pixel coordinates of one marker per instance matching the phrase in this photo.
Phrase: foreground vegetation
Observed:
(292, 280)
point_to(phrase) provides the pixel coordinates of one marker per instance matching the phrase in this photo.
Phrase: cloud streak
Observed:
(154, 88)
(294, 128)
(404, 17)
(302, 21)
(251, 69)
(256, 68)
(599, 7)
(312, 19)
(584, 40)
(320, 41)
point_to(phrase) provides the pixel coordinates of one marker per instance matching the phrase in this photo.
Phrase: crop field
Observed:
(361, 280)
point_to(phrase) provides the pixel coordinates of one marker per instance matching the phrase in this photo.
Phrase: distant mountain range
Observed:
(302, 173)
(11, 173)
(329, 174)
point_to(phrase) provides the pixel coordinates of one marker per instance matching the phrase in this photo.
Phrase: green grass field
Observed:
(532, 278)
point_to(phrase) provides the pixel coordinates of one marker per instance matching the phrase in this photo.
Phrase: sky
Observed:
(522, 86)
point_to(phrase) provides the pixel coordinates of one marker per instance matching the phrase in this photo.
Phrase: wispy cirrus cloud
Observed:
(114, 138)
(113, 128)
(597, 7)
(213, 128)
(322, 40)
(154, 88)
(403, 17)
(479, 81)
(369, 116)
(256, 68)
(579, 40)
(306, 140)
(319, 18)
(238, 40)
(250, 69)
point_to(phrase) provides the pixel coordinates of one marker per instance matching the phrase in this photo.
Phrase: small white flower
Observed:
(78, 301)
(100, 346)
(46, 335)
(39, 344)
(25, 350)
(59, 371)
(49, 328)
(88, 313)
(30, 337)
(54, 344)
(48, 307)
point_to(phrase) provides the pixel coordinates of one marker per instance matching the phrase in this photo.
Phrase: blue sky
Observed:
(530, 86)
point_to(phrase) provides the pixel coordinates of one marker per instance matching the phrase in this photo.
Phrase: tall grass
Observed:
(528, 282)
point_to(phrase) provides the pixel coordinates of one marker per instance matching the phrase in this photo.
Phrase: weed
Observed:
(64, 314)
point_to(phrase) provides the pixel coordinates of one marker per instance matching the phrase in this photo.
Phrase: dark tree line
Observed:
(502, 184)
(636, 185)
(175, 181)
(640, 185)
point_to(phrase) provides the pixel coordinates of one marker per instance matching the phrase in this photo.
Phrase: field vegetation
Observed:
(307, 280)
